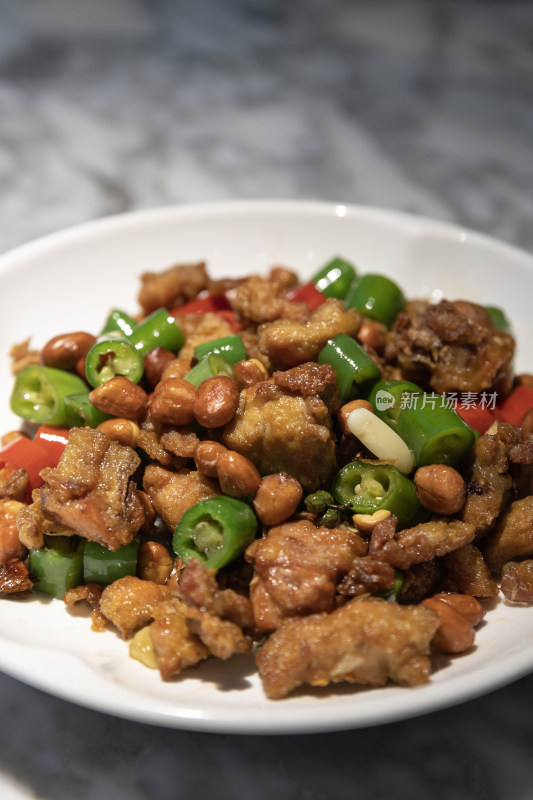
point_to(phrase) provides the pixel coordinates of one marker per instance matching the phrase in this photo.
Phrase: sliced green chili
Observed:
(391, 595)
(111, 356)
(390, 397)
(104, 566)
(39, 394)
(356, 370)
(82, 412)
(215, 531)
(371, 487)
(498, 317)
(159, 329)
(58, 566)
(377, 297)
(119, 322)
(335, 278)
(230, 347)
(434, 431)
(209, 367)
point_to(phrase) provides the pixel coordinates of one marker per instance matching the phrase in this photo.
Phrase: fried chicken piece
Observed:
(129, 603)
(10, 544)
(289, 343)
(296, 569)
(284, 432)
(149, 439)
(23, 356)
(90, 491)
(365, 641)
(174, 645)
(420, 543)
(465, 572)
(513, 535)
(180, 441)
(89, 593)
(33, 523)
(198, 587)
(15, 579)
(311, 379)
(489, 483)
(172, 287)
(260, 299)
(172, 493)
(451, 347)
(13, 483)
(222, 638)
(517, 581)
(367, 576)
(200, 328)
(419, 581)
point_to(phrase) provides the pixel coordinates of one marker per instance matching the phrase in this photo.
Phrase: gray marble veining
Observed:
(411, 104)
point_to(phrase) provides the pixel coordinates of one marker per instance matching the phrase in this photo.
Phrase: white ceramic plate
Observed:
(68, 281)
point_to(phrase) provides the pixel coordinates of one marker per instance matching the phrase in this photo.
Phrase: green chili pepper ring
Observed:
(215, 531)
(370, 487)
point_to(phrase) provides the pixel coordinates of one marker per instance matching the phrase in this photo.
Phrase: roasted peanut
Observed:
(154, 562)
(367, 522)
(440, 488)
(64, 351)
(216, 401)
(373, 334)
(277, 498)
(237, 476)
(249, 371)
(177, 368)
(346, 410)
(173, 401)
(465, 604)
(121, 430)
(155, 362)
(10, 545)
(206, 455)
(120, 397)
(454, 634)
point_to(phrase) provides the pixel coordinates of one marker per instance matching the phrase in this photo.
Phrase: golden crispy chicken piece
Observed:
(365, 641)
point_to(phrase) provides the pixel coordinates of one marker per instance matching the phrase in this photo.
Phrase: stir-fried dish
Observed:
(326, 475)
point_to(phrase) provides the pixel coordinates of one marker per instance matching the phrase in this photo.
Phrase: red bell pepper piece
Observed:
(477, 416)
(210, 302)
(513, 408)
(230, 317)
(35, 454)
(308, 293)
(53, 439)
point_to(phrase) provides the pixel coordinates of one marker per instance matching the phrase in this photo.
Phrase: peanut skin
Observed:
(455, 634)
(120, 397)
(440, 488)
(173, 401)
(65, 350)
(216, 401)
(277, 498)
(237, 476)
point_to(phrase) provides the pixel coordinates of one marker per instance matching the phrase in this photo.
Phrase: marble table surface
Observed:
(112, 105)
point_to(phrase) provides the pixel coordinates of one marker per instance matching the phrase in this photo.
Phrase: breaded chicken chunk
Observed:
(365, 641)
